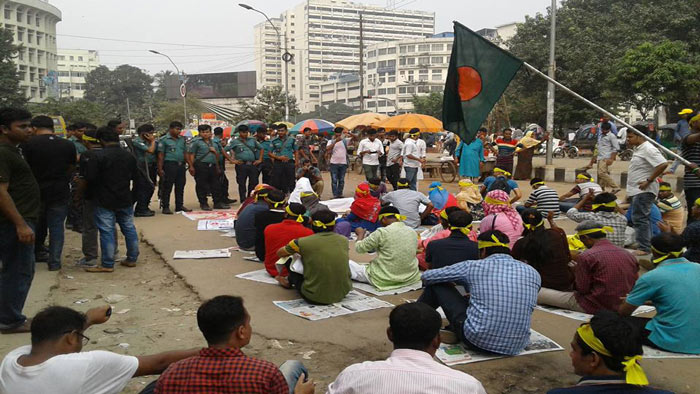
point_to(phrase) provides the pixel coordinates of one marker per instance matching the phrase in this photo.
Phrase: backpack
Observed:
(501, 183)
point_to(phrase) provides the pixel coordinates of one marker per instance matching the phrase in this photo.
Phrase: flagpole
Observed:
(612, 116)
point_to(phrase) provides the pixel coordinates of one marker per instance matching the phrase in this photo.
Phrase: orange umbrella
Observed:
(406, 122)
(366, 119)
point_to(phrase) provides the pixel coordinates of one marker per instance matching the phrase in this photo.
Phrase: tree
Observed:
(72, 110)
(111, 88)
(168, 111)
(10, 93)
(267, 106)
(332, 112)
(428, 105)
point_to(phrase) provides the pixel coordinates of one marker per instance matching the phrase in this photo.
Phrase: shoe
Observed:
(144, 214)
(183, 209)
(54, 267)
(230, 201)
(41, 257)
(128, 263)
(221, 206)
(167, 211)
(99, 268)
(205, 207)
(22, 328)
(448, 337)
(83, 262)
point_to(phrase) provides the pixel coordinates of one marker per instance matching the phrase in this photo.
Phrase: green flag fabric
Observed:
(478, 75)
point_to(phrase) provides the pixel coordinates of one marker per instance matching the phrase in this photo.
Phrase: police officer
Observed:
(203, 157)
(284, 152)
(145, 153)
(171, 167)
(223, 179)
(247, 156)
(261, 136)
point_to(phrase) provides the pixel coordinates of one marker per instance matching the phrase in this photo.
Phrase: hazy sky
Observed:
(219, 33)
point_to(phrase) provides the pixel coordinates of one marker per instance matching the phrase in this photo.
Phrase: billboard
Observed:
(215, 85)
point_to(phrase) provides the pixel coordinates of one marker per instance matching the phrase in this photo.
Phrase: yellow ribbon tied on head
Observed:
(634, 374)
(396, 215)
(664, 188)
(532, 227)
(275, 204)
(605, 229)
(436, 187)
(666, 255)
(414, 133)
(584, 177)
(490, 244)
(307, 194)
(443, 214)
(320, 224)
(538, 184)
(300, 218)
(89, 139)
(464, 230)
(401, 184)
(465, 183)
(504, 172)
(493, 201)
(611, 204)
(361, 192)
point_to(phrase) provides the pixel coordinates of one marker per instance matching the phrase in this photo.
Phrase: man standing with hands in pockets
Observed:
(369, 150)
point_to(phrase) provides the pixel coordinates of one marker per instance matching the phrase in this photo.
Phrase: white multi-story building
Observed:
(33, 24)
(73, 66)
(325, 37)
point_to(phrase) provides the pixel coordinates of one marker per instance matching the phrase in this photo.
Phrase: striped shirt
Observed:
(669, 204)
(545, 199)
(613, 219)
(505, 148)
(503, 295)
(692, 154)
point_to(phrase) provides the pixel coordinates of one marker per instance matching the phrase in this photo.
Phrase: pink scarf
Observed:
(504, 207)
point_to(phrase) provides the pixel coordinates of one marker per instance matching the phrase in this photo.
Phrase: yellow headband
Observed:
(89, 139)
(275, 204)
(504, 172)
(401, 184)
(436, 187)
(307, 194)
(605, 229)
(465, 183)
(493, 201)
(443, 214)
(585, 177)
(665, 255)
(537, 184)
(634, 374)
(360, 191)
(300, 218)
(664, 188)
(495, 243)
(396, 215)
(611, 204)
(532, 227)
(414, 133)
(320, 224)
(464, 230)
(697, 202)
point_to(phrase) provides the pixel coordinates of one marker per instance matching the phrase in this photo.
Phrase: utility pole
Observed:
(183, 81)
(362, 68)
(550, 87)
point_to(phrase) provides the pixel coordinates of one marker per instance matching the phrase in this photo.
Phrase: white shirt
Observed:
(422, 148)
(376, 149)
(95, 372)
(406, 371)
(395, 149)
(645, 159)
(410, 148)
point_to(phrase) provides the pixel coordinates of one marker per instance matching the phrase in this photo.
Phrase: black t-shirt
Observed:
(451, 250)
(22, 186)
(110, 173)
(52, 160)
(83, 166)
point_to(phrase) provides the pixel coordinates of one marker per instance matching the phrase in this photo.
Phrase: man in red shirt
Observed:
(603, 276)
(280, 234)
(222, 367)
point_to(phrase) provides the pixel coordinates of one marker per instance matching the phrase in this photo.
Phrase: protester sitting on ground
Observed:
(377, 188)
(501, 216)
(280, 234)
(606, 354)
(444, 232)
(312, 203)
(253, 197)
(395, 244)
(584, 184)
(277, 202)
(313, 174)
(605, 211)
(543, 197)
(325, 277)
(222, 367)
(54, 363)
(441, 199)
(501, 180)
(364, 211)
(408, 202)
(546, 250)
(673, 287)
(414, 330)
(603, 275)
(672, 210)
(245, 221)
(457, 247)
(503, 294)
(469, 199)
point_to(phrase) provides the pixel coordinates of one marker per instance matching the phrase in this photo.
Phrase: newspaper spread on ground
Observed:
(352, 303)
(258, 276)
(339, 205)
(373, 290)
(585, 316)
(650, 352)
(228, 233)
(458, 354)
(215, 225)
(210, 215)
(202, 254)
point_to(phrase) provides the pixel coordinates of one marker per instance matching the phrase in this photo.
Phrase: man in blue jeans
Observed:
(337, 156)
(52, 160)
(646, 166)
(412, 162)
(110, 175)
(19, 210)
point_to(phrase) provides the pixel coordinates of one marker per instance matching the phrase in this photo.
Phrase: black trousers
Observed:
(145, 186)
(207, 182)
(392, 174)
(247, 176)
(223, 180)
(284, 177)
(174, 175)
(266, 170)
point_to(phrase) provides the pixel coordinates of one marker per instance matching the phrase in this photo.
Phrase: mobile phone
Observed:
(109, 312)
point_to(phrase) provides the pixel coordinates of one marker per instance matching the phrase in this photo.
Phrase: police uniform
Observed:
(206, 174)
(266, 167)
(247, 173)
(146, 177)
(223, 179)
(283, 172)
(173, 151)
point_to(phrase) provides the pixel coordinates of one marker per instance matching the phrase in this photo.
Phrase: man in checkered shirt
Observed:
(503, 294)
(605, 212)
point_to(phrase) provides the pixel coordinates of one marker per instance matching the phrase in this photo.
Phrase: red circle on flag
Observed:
(469, 83)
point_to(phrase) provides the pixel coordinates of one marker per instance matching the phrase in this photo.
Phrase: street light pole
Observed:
(550, 87)
(183, 89)
(286, 56)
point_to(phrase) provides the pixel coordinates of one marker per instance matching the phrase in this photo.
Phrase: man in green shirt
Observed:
(247, 156)
(203, 157)
(19, 210)
(145, 154)
(261, 136)
(171, 167)
(395, 243)
(325, 277)
(283, 154)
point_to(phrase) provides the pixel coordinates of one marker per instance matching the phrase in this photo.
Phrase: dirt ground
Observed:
(162, 296)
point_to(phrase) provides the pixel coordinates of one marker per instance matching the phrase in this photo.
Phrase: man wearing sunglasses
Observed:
(54, 363)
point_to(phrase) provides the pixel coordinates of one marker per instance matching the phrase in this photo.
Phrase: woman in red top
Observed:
(280, 234)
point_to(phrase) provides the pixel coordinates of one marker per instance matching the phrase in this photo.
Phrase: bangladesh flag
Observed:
(479, 73)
